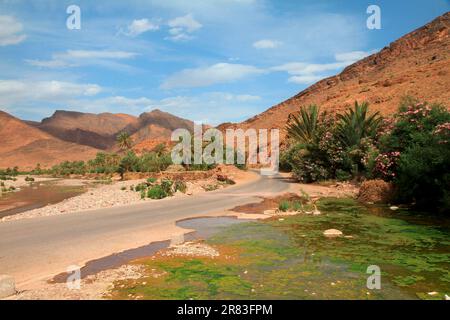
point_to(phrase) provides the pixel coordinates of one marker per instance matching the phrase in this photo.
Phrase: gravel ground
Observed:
(93, 287)
(103, 196)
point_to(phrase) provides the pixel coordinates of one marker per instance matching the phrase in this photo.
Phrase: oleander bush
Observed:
(411, 150)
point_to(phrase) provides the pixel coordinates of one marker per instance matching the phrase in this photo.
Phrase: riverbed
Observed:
(290, 258)
(37, 195)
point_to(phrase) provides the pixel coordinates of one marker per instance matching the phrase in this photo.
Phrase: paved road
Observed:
(33, 249)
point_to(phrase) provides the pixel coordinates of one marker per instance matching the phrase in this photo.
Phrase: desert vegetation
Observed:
(410, 150)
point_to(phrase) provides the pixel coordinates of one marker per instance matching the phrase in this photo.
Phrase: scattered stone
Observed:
(447, 297)
(394, 208)
(7, 286)
(331, 233)
(433, 293)
(192, 249)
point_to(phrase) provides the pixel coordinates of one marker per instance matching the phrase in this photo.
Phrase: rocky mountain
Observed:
(68, 135)
(417, 64)
(24, 145)
(100, 130)
(95, 130)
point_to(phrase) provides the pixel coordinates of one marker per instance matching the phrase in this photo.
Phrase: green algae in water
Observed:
(291, 259)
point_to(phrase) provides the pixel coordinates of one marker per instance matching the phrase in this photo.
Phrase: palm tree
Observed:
(303, 128)
(124, 140)
(356, 124)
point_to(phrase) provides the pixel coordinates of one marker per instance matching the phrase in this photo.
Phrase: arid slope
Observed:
(417, 64)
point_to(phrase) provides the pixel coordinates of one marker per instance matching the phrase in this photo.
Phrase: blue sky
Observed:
(209, 61)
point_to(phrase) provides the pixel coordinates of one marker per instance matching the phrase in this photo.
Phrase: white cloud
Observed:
(16, 92)
(304, 79)
(140, 26)
(266, 44)
(72, 58)
(111, 104)
(307, 73)
(94, 54)
(300, 68)
(352, 56)
(10, 31)
(206, 76)
(181, 28)
(211, 107)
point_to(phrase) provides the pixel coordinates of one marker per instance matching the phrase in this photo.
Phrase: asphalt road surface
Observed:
(33, 249)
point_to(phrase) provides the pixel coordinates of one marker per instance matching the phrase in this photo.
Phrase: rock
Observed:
(175, 168)
(447, 297)
(270, 212)
(394, 208)
(7, 286)
(331, 233)
(433, 293)
(375, 191)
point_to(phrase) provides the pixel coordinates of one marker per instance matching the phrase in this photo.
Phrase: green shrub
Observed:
(29, 179)
(123, 188)
(342, 175)
(416, 155)
(297, 206)
(155, 162)
(156, 192)
(284, 206)
(166, 185)
(151, 180)
(141, 187)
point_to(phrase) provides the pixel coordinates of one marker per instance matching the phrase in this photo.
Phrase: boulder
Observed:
(331, 233)
(7, 286)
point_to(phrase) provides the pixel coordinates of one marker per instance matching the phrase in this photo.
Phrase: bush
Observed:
(29, 179)
(328, 148)
(67, 168)
(155, 162)
(156, 192)
(416, 155)
(283, 206)
(166, 185)
(151, 180)
(297, 206)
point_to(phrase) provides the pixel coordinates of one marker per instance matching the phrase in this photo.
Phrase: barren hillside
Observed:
(25, 146)
(417, 64)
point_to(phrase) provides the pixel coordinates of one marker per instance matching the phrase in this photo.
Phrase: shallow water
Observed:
(36, 195)
(291, 259)
(204, 228)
